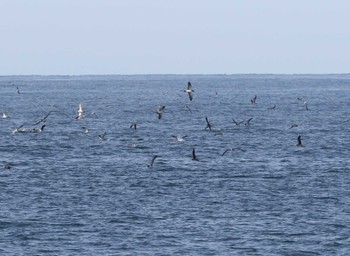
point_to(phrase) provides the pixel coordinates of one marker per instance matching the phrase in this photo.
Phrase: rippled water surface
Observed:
(71, 193)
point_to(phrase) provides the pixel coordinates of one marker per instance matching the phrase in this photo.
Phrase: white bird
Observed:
(5, 115)
(179, 137)
(80, 112)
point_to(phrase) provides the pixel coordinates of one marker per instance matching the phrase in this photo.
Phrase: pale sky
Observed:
(77, 37)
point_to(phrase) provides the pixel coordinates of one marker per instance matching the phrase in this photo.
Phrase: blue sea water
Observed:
(71, 193)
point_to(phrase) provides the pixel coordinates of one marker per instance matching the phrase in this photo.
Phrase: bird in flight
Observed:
(189, 91)
(299, 144)
(152, 162)
(194, 157)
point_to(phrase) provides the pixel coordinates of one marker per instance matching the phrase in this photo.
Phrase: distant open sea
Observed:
(72, 193)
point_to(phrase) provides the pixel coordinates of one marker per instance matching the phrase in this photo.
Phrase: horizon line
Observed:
(175, 74)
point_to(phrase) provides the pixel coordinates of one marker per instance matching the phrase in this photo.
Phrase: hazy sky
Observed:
(174, 36)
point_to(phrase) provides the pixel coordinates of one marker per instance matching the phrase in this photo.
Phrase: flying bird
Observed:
(160, 111)
(293, 126)
(103, 136)
(189, 90)
(253, 100)
(194, 157)
(17, 90)
(44, 119)
(232, 149)
(179, 137)
(208, 124)
(133, 126)
(299, 144)
(37, 130)
(5, 115)
(236, 122)
(152, 162)
(80, 112)
(248, 121)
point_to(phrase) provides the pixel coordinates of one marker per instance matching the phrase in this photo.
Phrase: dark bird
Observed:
(152, 162)
(236, 122)
(208, 124)
(7, 167)
(160, 111)
(194, 157)
(306, 105)
(133, 126)
(37, 130)
(44, 119)
(253, 100)
(248, 121)
(272, 108)
(17, 90)
(188, 108)
(299, 144)
(102, 137)
(189, 91)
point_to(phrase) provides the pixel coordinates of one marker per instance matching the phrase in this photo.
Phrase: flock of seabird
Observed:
(159, 111)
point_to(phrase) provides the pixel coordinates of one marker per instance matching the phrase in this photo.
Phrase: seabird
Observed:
(5, 115)
(194, 157)
(189, 91)
(152, 162)
(299, 144)
(19, 129)
(236, 122)
(17, 90)
(36, 130)
(178, 137)
(85, 129)
(305, 104)
(293, 126)
(272, 108)
(102, 137)
(232, 149)
(133, 126)
(248, 121)
(188, 108)
(80, 112)
(7, 167)
(44, 119)
(160, 111)
(253, 100)
(208, 124)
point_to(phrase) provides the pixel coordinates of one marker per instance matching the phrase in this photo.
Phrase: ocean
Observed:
(251, 192)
